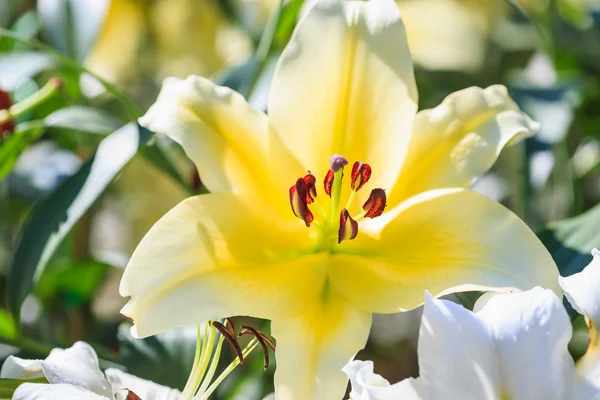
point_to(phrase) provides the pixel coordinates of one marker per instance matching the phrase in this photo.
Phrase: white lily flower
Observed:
(514, 346)
(75, 374)
(581, 290)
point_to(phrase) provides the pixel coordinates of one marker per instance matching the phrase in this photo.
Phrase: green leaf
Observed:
(16, 66)
(8, 386)
(8, 328)
(77, 281)
(83, 119)
(54, 216)
(12, 147)
(165, 358)
(570, 241)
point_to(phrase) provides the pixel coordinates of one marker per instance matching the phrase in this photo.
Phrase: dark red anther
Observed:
(375, 204)
(298, 201)
(360, 175)
(348, 227)
(328, 182)
(5, 103)
(311, 187)
(131, 395)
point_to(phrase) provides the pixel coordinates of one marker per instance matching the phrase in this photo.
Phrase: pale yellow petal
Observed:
(345, 84)
(219, 131)
(219, 255)
(313, 347)
(454, 143)
(443, 241)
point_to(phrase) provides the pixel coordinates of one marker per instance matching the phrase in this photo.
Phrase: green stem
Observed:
(264, 48)
(247, 350)
(132, 108)
(201, 346)
(31, 102)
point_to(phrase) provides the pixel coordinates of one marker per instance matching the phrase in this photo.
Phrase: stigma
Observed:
(337, 222)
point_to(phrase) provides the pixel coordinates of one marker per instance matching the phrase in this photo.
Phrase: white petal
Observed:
(146, 390)
(531, 330)
(18, 368)
(367, 385)
(77, 366)
(456, 353)
(42, 391)
(582, 291)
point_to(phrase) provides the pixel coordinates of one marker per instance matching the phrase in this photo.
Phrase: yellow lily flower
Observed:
(343, 86)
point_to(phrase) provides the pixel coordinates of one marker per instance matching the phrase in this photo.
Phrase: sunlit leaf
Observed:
(12, 146)
(165, 358)
(571, 241)
(53, 217)
(82, 119)
(16, 66)
(8, 328)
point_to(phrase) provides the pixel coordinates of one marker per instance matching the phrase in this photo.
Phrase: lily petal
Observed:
(531, 331)
(219, 131)
(367, 385)
(219, 255)
(581, 290)
(444, 241)
(456, 142)
(144, 389)
(63, 391)
(345, 85)
(19, 368)
(456, 353)
(313, 347)
(77, 366)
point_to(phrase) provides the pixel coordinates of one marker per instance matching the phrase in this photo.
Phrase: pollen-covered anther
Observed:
(348, 227)
(311, 187)
(375, 204)
(300, 198)
(360, 175)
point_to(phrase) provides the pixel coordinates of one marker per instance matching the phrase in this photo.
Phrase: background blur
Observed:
(75, 199)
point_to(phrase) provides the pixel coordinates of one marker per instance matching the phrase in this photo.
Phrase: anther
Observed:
(360, 175)
(311, 187)
(375, 204)
(299, 196)
(263, 340)
(226, 332)
(131, 395)
(328, 182)
(348, 227)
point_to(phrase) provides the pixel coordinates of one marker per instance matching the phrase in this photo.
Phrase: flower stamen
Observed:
(304, 193)
(263, 340)
(348, 227)
(375, 204)
(227, 333)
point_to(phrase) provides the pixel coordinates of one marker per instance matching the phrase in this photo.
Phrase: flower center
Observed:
(333, 221)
